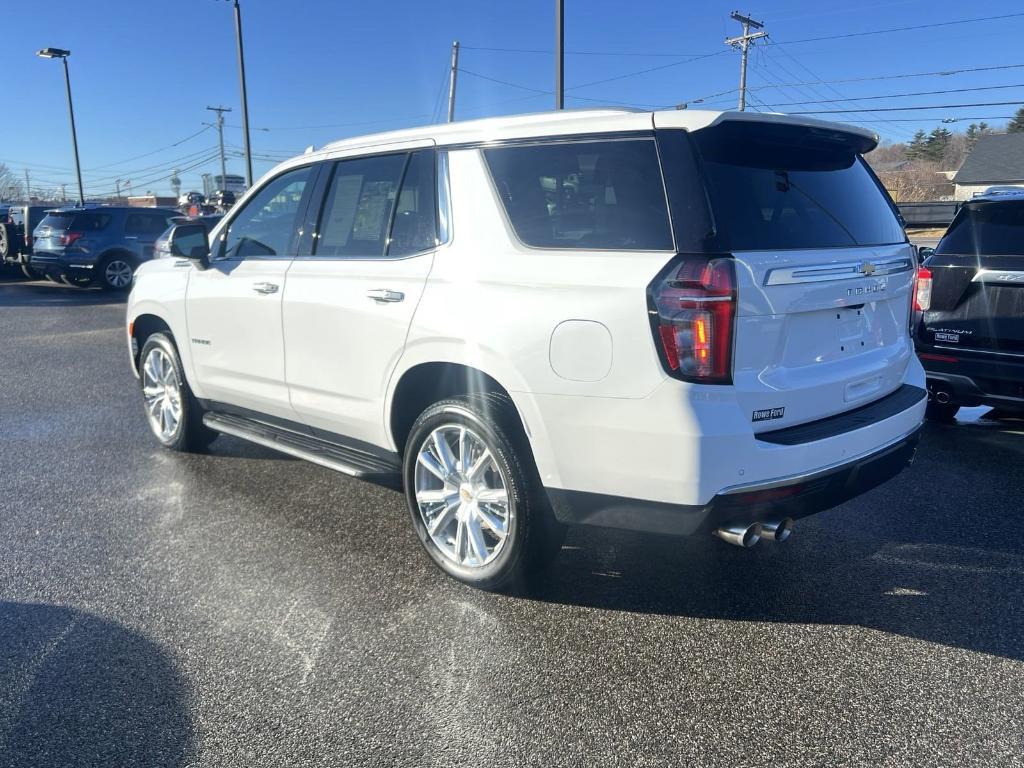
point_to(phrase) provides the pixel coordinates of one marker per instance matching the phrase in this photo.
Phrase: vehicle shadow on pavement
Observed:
(924, 556)
(78, 690)
(46, 294)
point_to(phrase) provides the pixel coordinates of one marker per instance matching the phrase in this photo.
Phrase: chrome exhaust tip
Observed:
(777, 530)
(740, 535)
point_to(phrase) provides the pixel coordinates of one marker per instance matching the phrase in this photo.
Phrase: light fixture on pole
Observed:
(60, 53)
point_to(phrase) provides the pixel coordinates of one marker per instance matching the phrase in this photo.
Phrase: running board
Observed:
(340, 458)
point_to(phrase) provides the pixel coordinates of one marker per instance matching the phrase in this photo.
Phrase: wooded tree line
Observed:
(915, 171)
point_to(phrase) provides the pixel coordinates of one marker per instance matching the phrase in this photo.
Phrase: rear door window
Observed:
(90, 222)
(357, 212)
(790, 187)
(592, 195)
(986, 229)
(148, 224)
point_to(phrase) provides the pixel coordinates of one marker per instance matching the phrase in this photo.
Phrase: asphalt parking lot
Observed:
(245, 609)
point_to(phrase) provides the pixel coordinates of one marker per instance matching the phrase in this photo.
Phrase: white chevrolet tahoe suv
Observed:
(682, 322)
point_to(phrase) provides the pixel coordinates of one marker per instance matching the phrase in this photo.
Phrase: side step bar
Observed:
(340, 458)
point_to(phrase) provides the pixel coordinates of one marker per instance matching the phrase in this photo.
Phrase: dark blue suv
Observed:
(97, 246)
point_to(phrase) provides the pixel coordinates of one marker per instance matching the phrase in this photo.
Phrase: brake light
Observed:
(692, 306)
(69, 237)
(923, 290)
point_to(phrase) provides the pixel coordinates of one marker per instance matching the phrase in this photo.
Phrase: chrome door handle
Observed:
(265, 288)
(385, 295)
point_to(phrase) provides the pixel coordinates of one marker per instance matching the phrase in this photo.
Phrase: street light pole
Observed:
(59, 53)
(245, 98)
(559, 54)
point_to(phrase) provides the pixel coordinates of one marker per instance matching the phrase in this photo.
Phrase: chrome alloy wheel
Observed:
(162, 392)
(118, 273)
(462, 496)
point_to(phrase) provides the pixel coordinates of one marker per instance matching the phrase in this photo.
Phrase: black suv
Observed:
(101, 245)
(970, 309)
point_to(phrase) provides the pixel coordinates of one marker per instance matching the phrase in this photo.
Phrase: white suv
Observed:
(681, 322)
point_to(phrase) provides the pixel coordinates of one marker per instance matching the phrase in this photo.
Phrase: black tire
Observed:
(533, 537)
(107, 268)
(8, 242)
(944, 412)
(191, 435)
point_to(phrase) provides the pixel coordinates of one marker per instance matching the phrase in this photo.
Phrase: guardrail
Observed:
(931, 214)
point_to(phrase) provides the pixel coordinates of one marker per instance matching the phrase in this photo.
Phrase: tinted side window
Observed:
(585, 195)
(415, 222)
(356, 215)
(267, 224)
(986, 229)
(91, 222)
(145, 224)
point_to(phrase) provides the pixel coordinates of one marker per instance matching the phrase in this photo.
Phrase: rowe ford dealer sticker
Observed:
(950, 335)
(766, 414)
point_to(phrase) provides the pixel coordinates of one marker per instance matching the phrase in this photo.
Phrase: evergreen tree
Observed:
(1017, 124)
(916, 147)
(974, 132)
(935, 145)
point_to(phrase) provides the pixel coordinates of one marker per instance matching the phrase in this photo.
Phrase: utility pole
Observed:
(559, 54)
(117, 183)
(220, 133)
(742, 42)
(63, 193)
(451, 81)
(28, 188)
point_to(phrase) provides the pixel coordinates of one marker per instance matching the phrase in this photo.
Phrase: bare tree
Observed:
(919, 181)
(10, 185)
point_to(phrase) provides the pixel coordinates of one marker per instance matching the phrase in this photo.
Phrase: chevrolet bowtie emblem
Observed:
(867, 268)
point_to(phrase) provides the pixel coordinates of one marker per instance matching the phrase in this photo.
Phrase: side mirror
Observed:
(923, 253)
(188, 241)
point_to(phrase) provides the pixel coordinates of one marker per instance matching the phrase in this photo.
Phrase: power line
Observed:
(938, 73)
(153, 152)
(548, 51)
(898, 29)
(947, 119)
(834, 90)
(651, 69)
(540, 91)
(907, 109)
(899, 95)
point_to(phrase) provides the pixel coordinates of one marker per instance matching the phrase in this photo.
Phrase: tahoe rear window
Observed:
(781, 187)
(602, 195)
(989, 228)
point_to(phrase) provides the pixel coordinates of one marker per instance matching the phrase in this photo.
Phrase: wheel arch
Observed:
(141, 328)
(424, 384)
(117, 250)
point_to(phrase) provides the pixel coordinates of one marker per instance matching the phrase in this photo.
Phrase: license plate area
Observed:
(828, 335)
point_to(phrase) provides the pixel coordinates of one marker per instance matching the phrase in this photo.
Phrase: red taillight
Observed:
(923, 290)
(693, 310)
(69, 237)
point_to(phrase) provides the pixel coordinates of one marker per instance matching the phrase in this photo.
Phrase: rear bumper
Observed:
(970, 379)
(793, 496)
(72, 266)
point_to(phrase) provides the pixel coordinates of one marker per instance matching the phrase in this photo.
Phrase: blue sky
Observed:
(143, 71)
